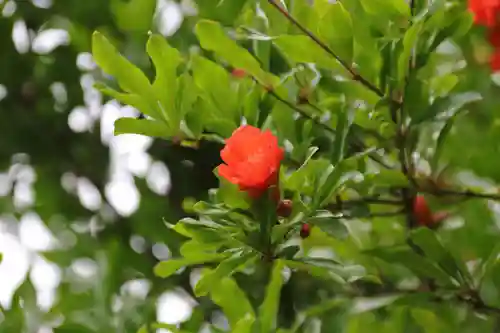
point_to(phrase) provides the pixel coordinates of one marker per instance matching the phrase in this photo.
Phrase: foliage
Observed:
(376, 103)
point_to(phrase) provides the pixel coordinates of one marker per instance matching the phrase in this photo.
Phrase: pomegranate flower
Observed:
(252, 160)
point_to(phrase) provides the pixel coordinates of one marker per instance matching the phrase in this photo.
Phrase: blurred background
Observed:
(81, 210)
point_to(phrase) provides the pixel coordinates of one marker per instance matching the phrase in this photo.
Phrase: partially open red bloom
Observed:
(252, 160)
(486, 12)
(425, 217)
(422, 212)
(239, 72)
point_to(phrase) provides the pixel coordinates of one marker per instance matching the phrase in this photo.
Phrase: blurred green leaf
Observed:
(335, 27)
(269, 308)
(147, 127)
(427, 240)
(165, 59)
(448, 105)
(133, 15)
(244, 325)
(233, 301)
(130, 78)
(330, 223)
(213, 38)
(225, 269)
(421, 266)
(166, 268)
(300, 48)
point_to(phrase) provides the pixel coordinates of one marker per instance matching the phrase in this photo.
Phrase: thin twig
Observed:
(356, 76)
(358, 145)
(372, 215)
(464, 194)
(363, 201)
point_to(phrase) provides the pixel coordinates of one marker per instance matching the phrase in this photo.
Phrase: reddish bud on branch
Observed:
(284, 208)
(305, 230)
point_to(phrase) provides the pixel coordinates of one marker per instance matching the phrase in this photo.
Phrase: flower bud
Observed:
(422, 212)
(305, 230)
(284, 208)
(239, 73)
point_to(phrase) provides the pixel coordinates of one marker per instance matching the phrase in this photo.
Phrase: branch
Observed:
(339, 204)
(402, 133)
(356, 76)
(358, 145)
(464, 194)
(372, 215)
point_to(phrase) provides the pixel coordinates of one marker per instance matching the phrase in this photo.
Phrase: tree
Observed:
(346, 198)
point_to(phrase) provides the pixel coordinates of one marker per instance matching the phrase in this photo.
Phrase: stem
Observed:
(356, 76)
(358, 145)
(465, 194)
(407, 194)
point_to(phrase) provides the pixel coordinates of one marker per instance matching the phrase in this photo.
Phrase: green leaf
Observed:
(166, 268)
(372, 303)
(386, 7)
(405, 256)
(133, 15)
(213, 38)
(388, 178)
(305, 178)
(301, 48)
(194, 248)
(130, 99)
(449, 104)
(147, 127)
(329, 223)
(220, 96)
(74, 328)
(317, 271)
(129, 77)
(232, 300)
(224, 11)
(244, 325)
(428, 242)
(170, 327)
(344, 121)
(201, 230)
(165, 59)
(225, 269)
(231, 195)
(335, 27)
(269, 308)
(409, 42)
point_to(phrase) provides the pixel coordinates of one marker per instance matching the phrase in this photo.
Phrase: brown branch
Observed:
(465, 194)
(358, 145)
(356, 76)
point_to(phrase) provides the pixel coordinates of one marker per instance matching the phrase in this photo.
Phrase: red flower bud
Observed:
(422, 212)
(284, 208)
(305, 230)
(252, 160)
(239, 73)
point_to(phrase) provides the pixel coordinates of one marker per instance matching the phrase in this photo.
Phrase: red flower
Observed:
(425, 217)
(485, 11)
(494, 37)
(495, 61)
(252, 160)
(422, 212)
